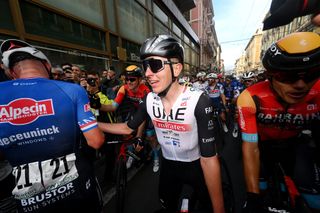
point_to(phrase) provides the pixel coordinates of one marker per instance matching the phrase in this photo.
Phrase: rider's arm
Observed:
(94, 138)
(223, 98)
(250, 149)
(209, 160)
(127, 128)
(117, 101)
(87, 122)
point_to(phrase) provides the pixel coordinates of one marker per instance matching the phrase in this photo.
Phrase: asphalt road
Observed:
(142, 189)
(142, 192)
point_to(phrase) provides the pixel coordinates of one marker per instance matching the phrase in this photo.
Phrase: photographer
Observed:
(97, 98)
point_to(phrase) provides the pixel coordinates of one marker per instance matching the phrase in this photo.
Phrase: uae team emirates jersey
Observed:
(40, 125)
(187, 132)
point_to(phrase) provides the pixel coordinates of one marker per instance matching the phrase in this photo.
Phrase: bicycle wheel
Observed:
(121, 184)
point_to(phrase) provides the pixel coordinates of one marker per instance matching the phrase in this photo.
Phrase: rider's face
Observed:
(159, 81)
(132, 82)
(292, 93)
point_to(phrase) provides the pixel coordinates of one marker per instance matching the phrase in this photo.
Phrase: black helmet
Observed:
(162, 45)
(134, 71)
(296, 52)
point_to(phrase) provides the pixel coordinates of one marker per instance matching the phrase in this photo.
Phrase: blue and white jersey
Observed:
(40, 125)
(201, 85)
(214, 92)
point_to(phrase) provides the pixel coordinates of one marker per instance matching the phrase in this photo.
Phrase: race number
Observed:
(36, 177)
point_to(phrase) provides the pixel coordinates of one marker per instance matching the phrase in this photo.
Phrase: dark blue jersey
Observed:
(40, 125)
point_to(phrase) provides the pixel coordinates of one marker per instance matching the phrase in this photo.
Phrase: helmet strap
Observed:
(165, 91)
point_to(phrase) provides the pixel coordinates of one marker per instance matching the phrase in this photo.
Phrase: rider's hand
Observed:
(253, 203)
(138, 144)
(94, 102)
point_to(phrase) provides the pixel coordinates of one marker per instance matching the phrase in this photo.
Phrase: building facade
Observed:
(96, 34)
(261, 41)
(297, 25)
(201, 21)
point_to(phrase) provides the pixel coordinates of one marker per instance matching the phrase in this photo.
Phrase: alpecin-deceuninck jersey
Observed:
(40, 125)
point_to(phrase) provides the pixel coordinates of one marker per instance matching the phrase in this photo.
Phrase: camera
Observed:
(91, 81)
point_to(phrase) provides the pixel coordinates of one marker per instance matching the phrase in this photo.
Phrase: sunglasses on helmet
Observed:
(291, 77)
(155, 65)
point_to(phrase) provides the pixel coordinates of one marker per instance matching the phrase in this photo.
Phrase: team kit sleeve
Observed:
(86, 119)
(104, 99)
(120, 96)
(247, 117)
(206, 128)
(140, 115)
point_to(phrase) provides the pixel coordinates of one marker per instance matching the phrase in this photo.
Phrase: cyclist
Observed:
(182, 117)
(201, 82)
(216, 93)
(40, 124)
(248, 79)
(273, 113)
(126, 104)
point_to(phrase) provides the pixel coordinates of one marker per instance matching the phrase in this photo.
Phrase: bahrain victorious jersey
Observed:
(187, 132)
(40, 124)
(261, 113)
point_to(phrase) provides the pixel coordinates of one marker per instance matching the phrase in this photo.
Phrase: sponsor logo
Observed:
(184, 103)
(274, 50)
(208, 109)
(173, 126)
(311, 107)
(87, 107)
(207, 140)
(25, 137)
(25, 110)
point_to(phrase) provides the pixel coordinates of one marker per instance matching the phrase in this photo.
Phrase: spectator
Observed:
(43, 138)
(110, 84)
(57, 73)
(76, 72)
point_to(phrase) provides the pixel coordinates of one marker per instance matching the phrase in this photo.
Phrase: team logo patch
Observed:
(87, 107)
(25, 110)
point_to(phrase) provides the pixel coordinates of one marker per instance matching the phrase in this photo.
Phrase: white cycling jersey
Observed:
(187, 132)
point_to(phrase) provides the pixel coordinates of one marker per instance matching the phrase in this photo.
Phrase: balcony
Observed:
(184, 5)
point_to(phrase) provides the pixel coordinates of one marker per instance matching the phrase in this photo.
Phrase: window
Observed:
(159, 28)
(160, 15)
(132, 21)
(5, 16)
(89, 10)
(42, 22)
(111, 15)
(113, 44)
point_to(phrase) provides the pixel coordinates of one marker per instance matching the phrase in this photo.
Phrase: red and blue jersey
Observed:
(262, 114)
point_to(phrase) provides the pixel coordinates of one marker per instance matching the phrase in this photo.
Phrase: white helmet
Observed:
(247, 75)
(211, 76)
(11, 46)
(201, 74)
(182, 80)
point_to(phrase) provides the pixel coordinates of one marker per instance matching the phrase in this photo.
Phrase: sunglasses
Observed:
(155, 65)
(131, 79)
(306, 76)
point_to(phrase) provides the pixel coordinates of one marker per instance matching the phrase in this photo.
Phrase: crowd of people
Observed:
(52, 115)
